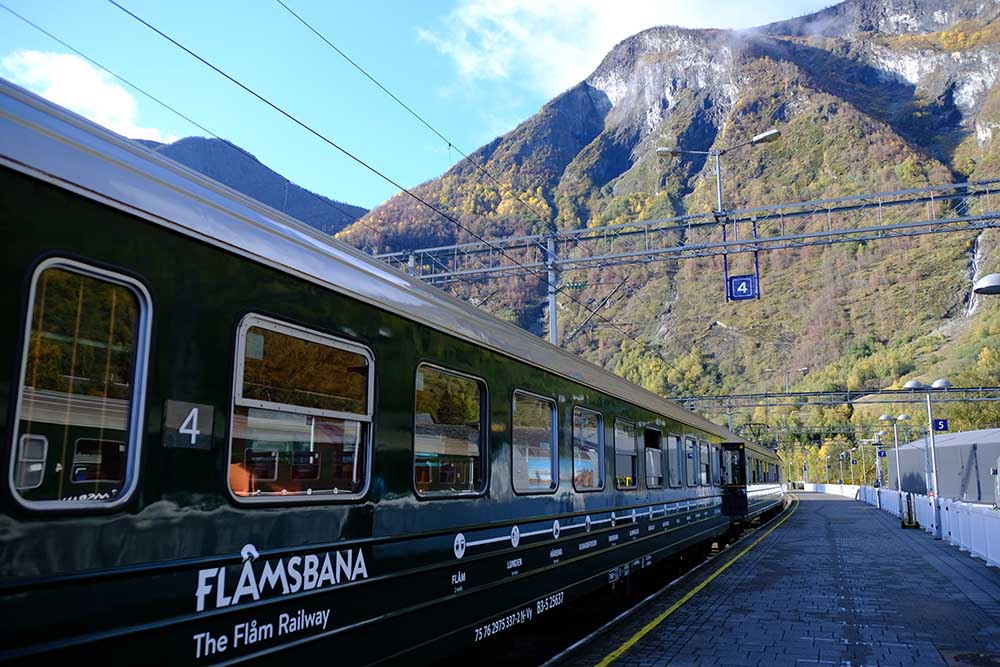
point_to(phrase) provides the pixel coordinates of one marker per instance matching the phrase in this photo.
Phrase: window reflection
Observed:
(588, 450)
(448, 432)
(301, 417)
(534, 439)
(73, 439)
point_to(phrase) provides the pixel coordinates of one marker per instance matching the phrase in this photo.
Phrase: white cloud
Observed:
(72, 82)
(550, 45)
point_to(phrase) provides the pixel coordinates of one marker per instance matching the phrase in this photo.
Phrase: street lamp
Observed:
(895, 440)
(879, 473)
(763, 137)
(940, 383)
(987, 284)
(827, 468)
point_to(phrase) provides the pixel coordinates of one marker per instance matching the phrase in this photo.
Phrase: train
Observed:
(231, 438)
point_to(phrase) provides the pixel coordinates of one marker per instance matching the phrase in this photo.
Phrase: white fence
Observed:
(846, 490)
(970, 527)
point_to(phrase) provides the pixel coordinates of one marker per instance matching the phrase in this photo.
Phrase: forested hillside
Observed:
(870, 95)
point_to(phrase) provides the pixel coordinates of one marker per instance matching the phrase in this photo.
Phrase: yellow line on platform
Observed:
(631, 641)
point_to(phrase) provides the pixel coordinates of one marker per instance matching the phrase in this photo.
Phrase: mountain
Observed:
(231, 165)
(870, 95)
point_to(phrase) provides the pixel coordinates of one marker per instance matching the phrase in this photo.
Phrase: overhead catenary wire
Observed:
(451, 145)
(333, 144)
(474, 282)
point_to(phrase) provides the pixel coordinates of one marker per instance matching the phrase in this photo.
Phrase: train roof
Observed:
(43, 139)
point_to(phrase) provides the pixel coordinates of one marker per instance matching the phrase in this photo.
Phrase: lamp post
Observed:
(895, 442)
(989, 284)
(763, 137)
(879, 471)
(941, 383)
(841, 457)
(864, 466)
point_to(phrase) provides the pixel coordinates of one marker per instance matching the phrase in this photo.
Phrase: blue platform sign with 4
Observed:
(940, 424)
(742, 287)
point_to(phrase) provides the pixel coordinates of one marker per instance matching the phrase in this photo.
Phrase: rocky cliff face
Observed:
(869, 95)
(848, 20)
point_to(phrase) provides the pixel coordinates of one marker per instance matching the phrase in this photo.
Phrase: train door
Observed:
(734, 482)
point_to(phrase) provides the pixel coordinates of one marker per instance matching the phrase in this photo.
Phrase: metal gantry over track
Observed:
(882, 215)
(806, 399)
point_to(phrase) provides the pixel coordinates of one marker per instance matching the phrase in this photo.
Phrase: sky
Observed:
(472, 69)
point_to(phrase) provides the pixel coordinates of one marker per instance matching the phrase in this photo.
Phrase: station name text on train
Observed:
(278, 577)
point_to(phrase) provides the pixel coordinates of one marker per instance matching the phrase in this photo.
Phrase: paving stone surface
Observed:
(838, 583)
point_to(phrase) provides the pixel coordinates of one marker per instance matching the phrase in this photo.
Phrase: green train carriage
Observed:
(229, 437)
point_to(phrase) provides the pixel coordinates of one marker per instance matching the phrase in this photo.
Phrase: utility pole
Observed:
(550, 265)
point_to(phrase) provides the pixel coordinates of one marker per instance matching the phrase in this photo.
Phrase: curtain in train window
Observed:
(76, 437)
(716, 465)
(626, 463)
(588, 450)
(691, 450)
(534, 438)
(675, 461)
(653, 446)
(448, 442)
(704, 464)
(301, 414)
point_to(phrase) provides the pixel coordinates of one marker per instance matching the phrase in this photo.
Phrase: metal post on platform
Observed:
(935, 493)
(864, 466)
(934, 475)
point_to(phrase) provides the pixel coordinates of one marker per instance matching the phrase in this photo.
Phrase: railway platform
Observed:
(831, 581)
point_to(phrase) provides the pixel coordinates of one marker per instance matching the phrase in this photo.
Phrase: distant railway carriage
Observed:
(229, 437)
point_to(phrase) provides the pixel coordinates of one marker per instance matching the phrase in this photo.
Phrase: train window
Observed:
(29, 472)
(302, 413)
(716, 465)
(448, 433)
(97, 460)
(535, 454)
(691, 452)
(79, 410)
(735, 470)
(704, 464)
(675, 460)
(626, 463)
(588, 450)
(653, 442)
